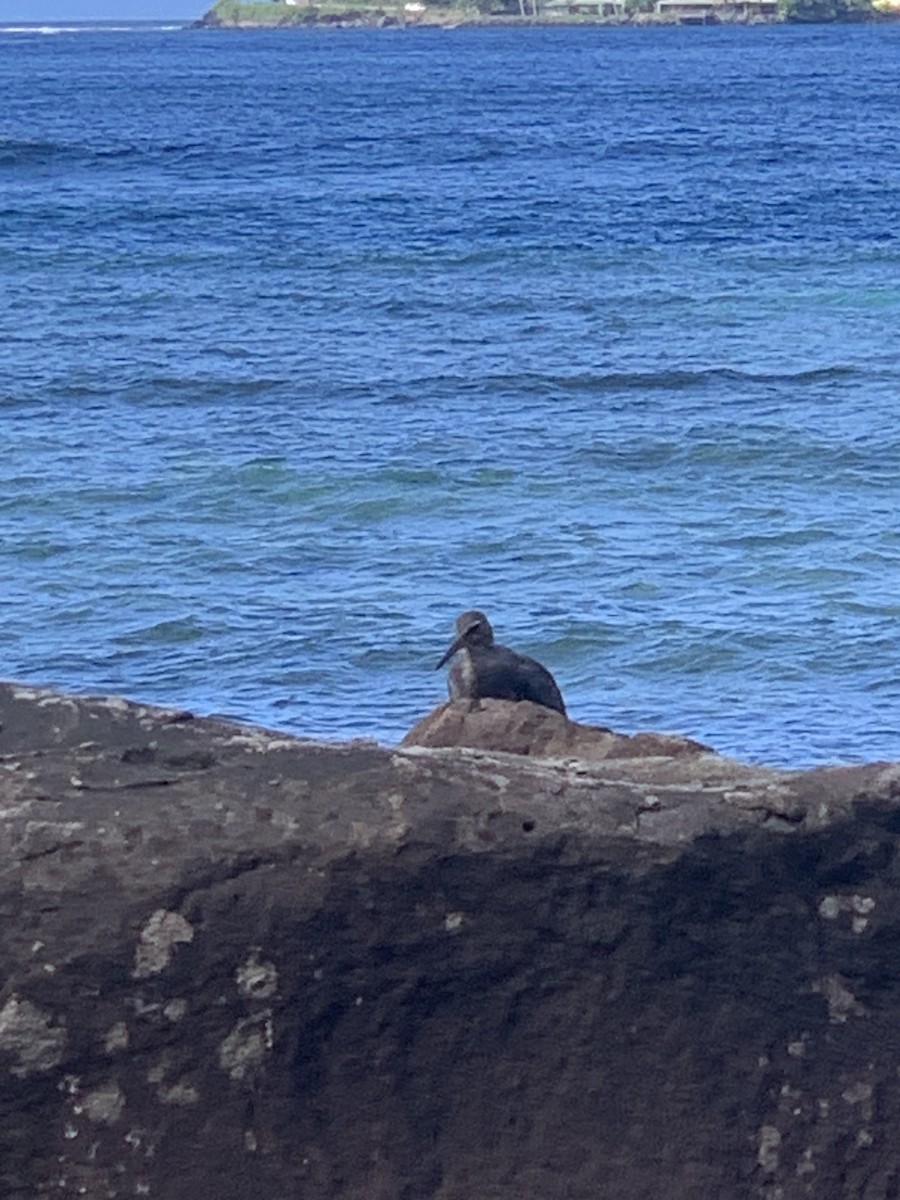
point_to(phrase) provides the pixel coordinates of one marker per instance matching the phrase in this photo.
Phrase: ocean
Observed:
(312, 339)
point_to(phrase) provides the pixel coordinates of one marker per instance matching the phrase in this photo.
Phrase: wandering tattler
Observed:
(485, 669)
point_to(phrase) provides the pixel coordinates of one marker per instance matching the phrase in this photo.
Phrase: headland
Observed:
(413, 14)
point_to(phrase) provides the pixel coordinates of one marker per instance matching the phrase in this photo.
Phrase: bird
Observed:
(485, 670)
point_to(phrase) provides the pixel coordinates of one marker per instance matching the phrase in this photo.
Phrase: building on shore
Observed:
(711, 12)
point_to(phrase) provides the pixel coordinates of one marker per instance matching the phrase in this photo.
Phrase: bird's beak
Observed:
(453, 649)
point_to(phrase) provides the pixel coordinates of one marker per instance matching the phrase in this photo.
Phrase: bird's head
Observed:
(472, 629)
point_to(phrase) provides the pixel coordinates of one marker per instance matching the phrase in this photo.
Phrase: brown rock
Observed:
(526, 728)
(236, 964)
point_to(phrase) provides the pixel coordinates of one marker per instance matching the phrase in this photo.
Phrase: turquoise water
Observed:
(313, 339)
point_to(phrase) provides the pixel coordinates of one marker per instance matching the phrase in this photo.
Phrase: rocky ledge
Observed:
(558, 962)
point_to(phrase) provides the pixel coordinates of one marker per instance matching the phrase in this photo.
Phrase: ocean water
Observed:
(312, 339)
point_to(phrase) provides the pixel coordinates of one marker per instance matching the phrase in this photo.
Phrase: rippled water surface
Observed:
(312, 339)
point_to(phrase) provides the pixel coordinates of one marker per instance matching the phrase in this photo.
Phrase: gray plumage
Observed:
(485, 670)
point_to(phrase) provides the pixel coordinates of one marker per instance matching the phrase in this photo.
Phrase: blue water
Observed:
(312, 339)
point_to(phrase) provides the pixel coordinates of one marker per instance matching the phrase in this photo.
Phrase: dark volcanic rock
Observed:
(235, 964)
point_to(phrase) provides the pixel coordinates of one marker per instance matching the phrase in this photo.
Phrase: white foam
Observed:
(85, 28)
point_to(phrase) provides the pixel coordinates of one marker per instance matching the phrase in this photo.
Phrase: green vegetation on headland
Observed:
(232, 14)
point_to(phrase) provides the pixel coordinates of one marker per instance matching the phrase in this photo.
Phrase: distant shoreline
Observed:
(390, 18)
(231, 15)
(396, 18)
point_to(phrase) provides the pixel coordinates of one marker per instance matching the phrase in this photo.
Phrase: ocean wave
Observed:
(38, 152)
(162, 390)
(665, 380)
(18, 153)
(24, 152)
(679, 379)
(172, 632)
(94, 27)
